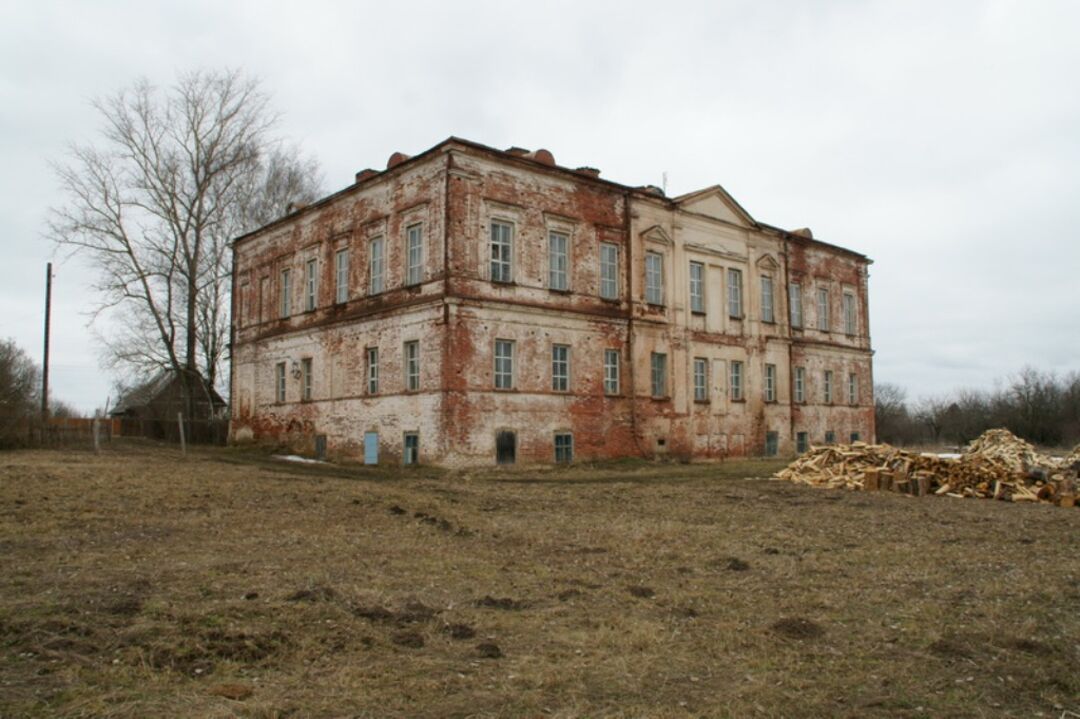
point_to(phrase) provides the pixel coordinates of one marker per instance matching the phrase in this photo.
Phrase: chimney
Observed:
(543, 157)
(590, 171)
(803, 232)
(517, 151)
(365, 174)
(396, 159)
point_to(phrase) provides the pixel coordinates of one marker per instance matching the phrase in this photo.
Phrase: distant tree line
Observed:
(20, 397)
(1042, 407)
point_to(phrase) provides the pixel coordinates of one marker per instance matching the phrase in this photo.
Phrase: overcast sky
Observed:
(942, 139)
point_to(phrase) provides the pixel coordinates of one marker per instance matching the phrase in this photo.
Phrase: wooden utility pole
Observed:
(45, 359)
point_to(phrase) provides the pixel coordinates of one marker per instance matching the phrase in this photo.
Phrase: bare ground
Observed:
(138, 584)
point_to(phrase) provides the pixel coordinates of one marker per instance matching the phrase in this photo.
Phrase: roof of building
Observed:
(143, 394)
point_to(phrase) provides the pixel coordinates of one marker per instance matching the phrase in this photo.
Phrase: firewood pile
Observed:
(997, 465)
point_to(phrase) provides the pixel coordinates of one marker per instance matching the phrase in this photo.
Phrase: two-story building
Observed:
(470, 305)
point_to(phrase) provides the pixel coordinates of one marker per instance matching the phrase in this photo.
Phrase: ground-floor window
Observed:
(772, 444)
(505, 447)
(830, 437)
(411, 455)
(802, 442)
(855, 437)
(564, 448)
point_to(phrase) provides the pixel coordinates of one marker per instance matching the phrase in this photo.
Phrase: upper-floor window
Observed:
(373, 370)
(853, 388)
(504, 364)
(734, 293)
(412, 366)
(735, 380)
(560, 368)
(770, 383)
(609, 270)
(279, 382)
(823, 309)
(414, 254)
(697, 287)
(286, 292)
(767, 313)
(311, 276)
(264, 299)
(800, 384)
(849, 313)
(795, 303)
(558, 260)
(658, 365)
(827, 386)
(341, 275)
(376, 264)
(611, 371)
(654, 278)
(701, 379)
(306, 378)
(502, 234)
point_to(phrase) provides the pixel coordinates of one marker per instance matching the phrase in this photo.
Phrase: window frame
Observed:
(341, 276)
(736, 381)
(735, 293)
(850, 316)
(376, 265)
(371, 358)
(700, 374)
(411, 353)
(654, 278)
(413, 458)
(501, 269)
(770, 382)
(823, 309)
(414, 272)
(697, 287)
(503, 378)
(285, 290)
(827, 387)
(307, 380)
(560, 381)
(281, 370)
(609, 264)
(799, 385)
(658, 381)
(768, 299)
(802, 442)
(612, 371)
(853, 389)
(795, 307)
(554, 255)
(567, 450)
(311, 284)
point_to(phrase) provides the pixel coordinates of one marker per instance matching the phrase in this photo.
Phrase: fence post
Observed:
(97, 441)
(180, 422)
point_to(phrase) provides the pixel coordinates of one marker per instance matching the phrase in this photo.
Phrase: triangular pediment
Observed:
(715, 202)
(767, 262)
(656, 233)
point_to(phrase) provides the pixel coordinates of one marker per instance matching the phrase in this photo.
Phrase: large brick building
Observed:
(469, 305)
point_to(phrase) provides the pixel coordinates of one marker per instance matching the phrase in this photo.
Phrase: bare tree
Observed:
(19, 392)
(177, 175)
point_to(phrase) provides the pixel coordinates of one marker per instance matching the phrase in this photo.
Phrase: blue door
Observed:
(371, 447)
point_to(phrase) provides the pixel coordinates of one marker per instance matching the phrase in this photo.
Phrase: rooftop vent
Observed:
(803, 232)
(590, 171)
(365, 174)
(396, 159)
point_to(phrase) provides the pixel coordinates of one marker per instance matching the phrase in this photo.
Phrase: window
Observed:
(654, 278)
(375, 266)
(795, 303)
(412, 366)
(823, 309)
(279, 382)
(501, 237)
(828, 386)
(849, 313)
(772, 444)
(770, 383)
(310, 279)
(609, 271)
(414, 252)
(411, 449)
(800, 384)
(504, 364)
(560, 368)
(305, 378)
(558, 260)
(735, 388)
(564, 448)
(734, 290)
(659, 374)
(701, 374)
(264, 298)
(611, 371)
(830, 437)
(802, 442)
(286, 290)
(373, 370)
(767, 313)
(242, 305)
(853, 388)
(341, 274)
(855, 437)
(697, 287)
(505, 447)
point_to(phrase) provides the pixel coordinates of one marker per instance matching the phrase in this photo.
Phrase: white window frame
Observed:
(658, 374)
(823, 309)
(611, 372)
(414, 254)
(735, 298)
(410, 455)
(701, 379)
(853, 388)
(795, 304)
(800, 385)
(770, 382)
(280, 374)
(372, 354)
(501, 251)
(609, 270)
(768, 309)
(285, 309)
(376, 265)
(306, 379)
(654, 278)
(311, 284)
(697, 287)
(735, 380)
(827, 387)
(560, 368)
(341, 275)
(412, 365)
(558, 260)
(567, 450)
(850, 324)
(504, 364)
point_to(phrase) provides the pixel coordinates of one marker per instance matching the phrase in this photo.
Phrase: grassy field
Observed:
(140, 584)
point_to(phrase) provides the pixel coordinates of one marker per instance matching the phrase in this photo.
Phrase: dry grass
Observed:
(136, 584)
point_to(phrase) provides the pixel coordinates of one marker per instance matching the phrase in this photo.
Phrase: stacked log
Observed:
(997, 465)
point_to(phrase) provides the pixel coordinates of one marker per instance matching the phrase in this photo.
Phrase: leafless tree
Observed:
(178, 173)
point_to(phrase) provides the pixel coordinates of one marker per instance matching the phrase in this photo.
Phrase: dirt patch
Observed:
(312, 594)
(409, 639)
(568, 594)
(731, 564)
(1029, 646)
(504, 603)
(489, 650)
(798, 628)
(460, 631)
(236, 692)
(950, 648)
(641, 592)
(412, 613)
